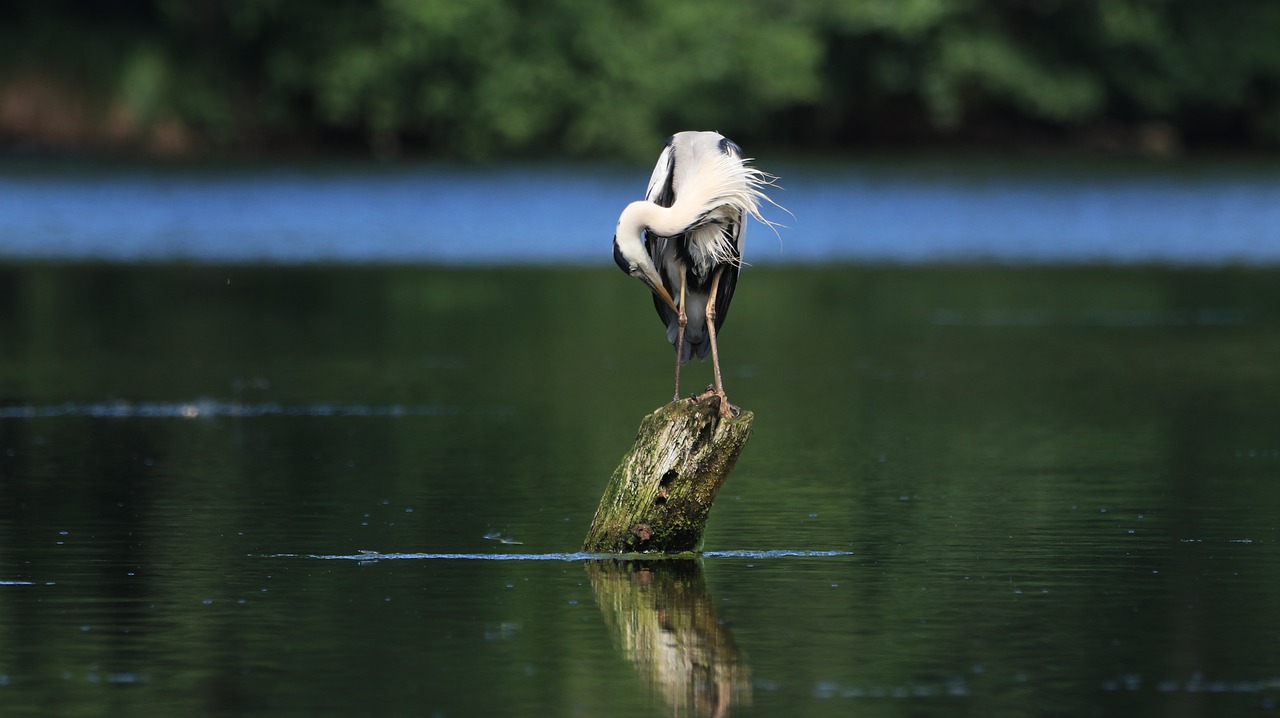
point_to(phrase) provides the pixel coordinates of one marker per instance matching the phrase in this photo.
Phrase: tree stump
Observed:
(659, 496)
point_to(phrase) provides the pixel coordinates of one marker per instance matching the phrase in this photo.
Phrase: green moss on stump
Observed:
(659, 496)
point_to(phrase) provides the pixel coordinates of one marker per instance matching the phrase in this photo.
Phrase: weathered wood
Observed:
(659, 496)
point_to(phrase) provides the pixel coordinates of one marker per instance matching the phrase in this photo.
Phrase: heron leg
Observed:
(725, 407)
(681, 321)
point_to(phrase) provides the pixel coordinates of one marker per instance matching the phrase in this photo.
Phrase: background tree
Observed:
(509, 77)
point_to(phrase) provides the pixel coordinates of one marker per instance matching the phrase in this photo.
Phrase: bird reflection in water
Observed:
(662, 619)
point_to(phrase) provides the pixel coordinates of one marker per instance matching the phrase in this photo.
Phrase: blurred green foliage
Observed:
(501, 77)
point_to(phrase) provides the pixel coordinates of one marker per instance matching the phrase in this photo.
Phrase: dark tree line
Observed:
(484, 78)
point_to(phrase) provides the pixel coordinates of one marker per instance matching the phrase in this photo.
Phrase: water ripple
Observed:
(205, 408)
(1197, 683)
(576, 556)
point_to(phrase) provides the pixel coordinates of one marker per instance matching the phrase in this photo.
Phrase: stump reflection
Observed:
(664, 622)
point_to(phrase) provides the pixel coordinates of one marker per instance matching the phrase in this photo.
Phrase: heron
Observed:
(685, 239)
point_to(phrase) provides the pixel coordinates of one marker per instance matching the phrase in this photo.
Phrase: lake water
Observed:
(335, 489)
(915, 211)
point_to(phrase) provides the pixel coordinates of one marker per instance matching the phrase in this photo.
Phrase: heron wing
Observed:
(660, 252)
(729, 147)
(661, 190)
(736, 233)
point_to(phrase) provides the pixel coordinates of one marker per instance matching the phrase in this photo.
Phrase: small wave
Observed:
(577, 556)
(206, 408)
(1196, 683)
(776, 553)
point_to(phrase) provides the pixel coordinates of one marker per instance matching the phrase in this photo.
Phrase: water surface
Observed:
(236, 490)
(926, 211)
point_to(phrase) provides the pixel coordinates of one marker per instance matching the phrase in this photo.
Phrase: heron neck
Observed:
(642, 215)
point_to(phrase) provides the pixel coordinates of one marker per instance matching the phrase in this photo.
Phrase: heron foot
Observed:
(727, 410)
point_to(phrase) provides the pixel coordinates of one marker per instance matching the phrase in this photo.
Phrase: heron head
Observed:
(622, 260)
(630, 256)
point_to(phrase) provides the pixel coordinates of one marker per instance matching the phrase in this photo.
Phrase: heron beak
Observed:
(656, 285)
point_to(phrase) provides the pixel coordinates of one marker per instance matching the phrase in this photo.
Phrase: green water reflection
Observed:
(1058, 487)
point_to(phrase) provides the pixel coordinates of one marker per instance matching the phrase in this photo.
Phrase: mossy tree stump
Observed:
(659, 496)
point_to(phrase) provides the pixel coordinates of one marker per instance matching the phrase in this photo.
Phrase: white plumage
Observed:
(685, 239)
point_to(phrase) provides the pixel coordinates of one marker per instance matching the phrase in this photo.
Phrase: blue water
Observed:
(1178, 214)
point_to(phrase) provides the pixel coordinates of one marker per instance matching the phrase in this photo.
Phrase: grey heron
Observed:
(685, 239)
